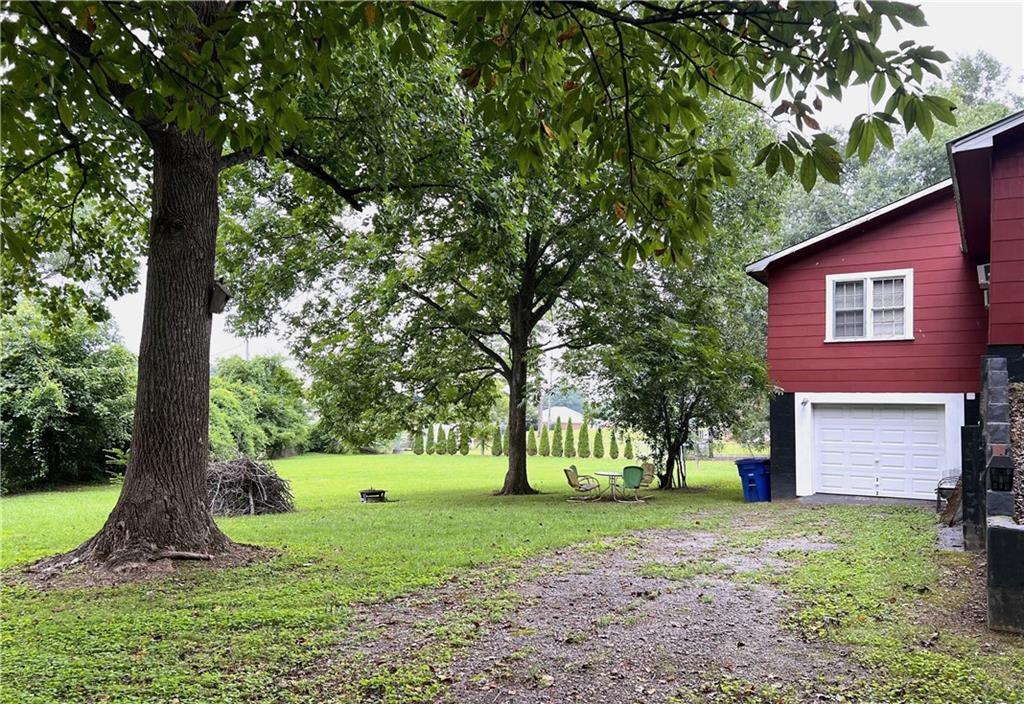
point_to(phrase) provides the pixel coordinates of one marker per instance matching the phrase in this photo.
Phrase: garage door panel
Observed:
(927, 463)
(833, 435)
(879, 450)
(892, 436)
(860, 459)
(893, 486)
(864, 436)
(890, 462)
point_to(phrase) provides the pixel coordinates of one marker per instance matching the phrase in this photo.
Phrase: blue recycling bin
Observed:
(756, 479)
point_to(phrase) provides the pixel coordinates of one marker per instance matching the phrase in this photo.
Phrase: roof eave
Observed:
(758, 270)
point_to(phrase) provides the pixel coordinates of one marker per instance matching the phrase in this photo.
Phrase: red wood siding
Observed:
(950, 321)
(1006, 307)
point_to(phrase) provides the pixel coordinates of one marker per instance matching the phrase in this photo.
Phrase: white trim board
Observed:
(867, 277)
(982, 138)
(953, 418)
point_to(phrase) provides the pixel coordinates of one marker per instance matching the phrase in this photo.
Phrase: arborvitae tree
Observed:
(598, 444)
(453, 441)
(570, 442)
(430, 439)
(583, 449)
(531, 442)
(463, 442)
(545, 443)
(628, 454)
(556, 443)
(417, 442)
(441, 444)
(496, 440)
(505, 440)
(613, 447)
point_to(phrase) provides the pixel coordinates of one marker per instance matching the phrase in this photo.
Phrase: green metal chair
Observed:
(632, 479)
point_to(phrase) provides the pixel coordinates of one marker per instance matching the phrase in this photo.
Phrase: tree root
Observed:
(180, 555)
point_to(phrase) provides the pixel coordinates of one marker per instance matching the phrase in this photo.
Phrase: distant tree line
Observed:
(497, 440)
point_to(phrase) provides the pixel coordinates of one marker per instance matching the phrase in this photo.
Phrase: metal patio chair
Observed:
(584, 484)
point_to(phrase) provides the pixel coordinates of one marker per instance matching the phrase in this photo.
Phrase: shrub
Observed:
(556, 443)
(277, 402)
(453, 441)
(234, 429)
(628, 454)
(417, 442)
(505, 442)
(321, 439)
(545, 442)
(463, 441)
(583, 449)
(598, 444)
(613, 446)
(67, 393)
(496, 440)
(441, 444)
(430, 439)
(531, 442)
(569, 442)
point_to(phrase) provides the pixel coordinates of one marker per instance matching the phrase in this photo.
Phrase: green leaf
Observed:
(924, 121)
(808, 172)
(64, 111)
(878, 88)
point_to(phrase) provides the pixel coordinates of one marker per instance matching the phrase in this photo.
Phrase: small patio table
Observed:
(613, 482)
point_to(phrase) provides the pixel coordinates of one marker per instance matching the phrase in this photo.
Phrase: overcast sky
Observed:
(955, 27)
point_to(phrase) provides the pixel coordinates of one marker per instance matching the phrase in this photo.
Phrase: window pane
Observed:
(888, 305)
(888, 323)
(849, 323)
(888, 293)
(848, 295)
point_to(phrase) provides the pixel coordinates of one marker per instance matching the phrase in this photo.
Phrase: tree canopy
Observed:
(976, 83)
(619, 87)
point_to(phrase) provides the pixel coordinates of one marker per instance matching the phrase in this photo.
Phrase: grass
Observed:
(242, 635)
(685, 571)
(229, 636)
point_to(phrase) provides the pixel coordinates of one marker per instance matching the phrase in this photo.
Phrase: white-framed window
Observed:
(873, 305)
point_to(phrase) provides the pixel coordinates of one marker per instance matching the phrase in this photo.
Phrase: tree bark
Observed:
(516, 481)
(162, 509)
(668, 479)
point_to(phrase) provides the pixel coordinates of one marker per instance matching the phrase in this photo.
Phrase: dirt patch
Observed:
(644, 618)
(87, 575)
(958, 601)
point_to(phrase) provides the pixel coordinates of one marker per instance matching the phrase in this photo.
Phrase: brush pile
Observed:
(244, 487)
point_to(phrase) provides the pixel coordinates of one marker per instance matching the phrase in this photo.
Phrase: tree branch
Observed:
(506, 370)
(235, 158)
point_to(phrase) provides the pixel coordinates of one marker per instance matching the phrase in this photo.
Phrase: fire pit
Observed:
(372, 496)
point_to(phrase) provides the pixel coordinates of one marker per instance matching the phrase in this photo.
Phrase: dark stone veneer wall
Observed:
(782, 426)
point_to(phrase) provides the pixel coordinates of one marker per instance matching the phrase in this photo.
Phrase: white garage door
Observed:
(879, 450)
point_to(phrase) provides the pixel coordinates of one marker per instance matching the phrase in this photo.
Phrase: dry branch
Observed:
(245, 487)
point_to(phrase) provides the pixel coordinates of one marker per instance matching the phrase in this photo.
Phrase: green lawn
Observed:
(241, 635)
(178, 638)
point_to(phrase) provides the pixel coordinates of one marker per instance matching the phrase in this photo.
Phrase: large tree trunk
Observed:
(516, 481)
(668, 479)
(163, 508)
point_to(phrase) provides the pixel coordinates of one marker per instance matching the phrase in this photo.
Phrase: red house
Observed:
(884, 334)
